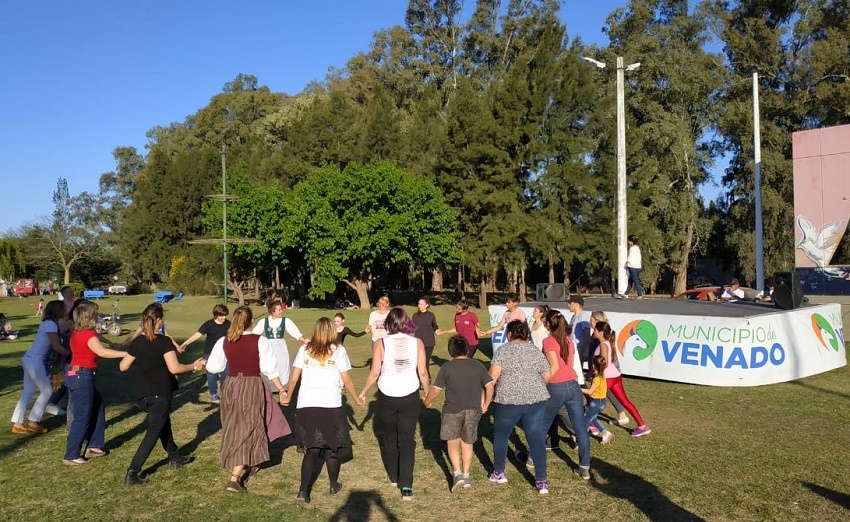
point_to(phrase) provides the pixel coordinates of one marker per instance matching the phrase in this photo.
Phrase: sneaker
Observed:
(542, 487)
(406, 494)
(640, 431)
(303, 497)
(393, 483)
(457, 482)
(215, 399)
(498, 477)
(593, 430)
(93, 453)
(235, 487)
(20, 430)
(467, 481)
(55, 410)
(621, 422)
(607, 436)
(582, 472)
(79, 461)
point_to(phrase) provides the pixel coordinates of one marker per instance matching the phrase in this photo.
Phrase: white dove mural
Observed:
(819, 244)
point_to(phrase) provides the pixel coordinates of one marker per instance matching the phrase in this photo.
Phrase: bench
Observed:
(93, 294)
(163, 296)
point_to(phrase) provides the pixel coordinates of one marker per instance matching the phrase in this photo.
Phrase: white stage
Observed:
(715, 343)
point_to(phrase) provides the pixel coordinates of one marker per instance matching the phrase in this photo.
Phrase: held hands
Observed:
(368, 328)
(483, 406)
(199, 364)
(360, 400)
(181, 348)
(283, 397)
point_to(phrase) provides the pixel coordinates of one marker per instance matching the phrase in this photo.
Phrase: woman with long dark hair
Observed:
(564, 389)
(155, 364)
(36, 365)
(399, 368)
(613, 377)
(250, 419)
(86, 404)
(324, 369)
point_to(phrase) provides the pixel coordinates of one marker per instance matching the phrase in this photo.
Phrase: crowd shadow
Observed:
(359, 505)
(429, 431)
(842, 499)
(644, 495)
(819, 389)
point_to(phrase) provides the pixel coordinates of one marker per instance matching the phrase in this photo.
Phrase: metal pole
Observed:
(757, 187)
(224, 213)
(622, 277)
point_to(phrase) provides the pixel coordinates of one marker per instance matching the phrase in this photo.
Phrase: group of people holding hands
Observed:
(534, 378)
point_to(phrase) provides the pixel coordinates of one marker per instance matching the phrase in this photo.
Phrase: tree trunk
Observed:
(552, 269)
(461, 284)
(494, 276)
(513, 284)
(437, 280)
(567, 281)
(482, 293)
(523, 289)
(237, 290)
(276, 277)
(361, 286)
(680, 269)
(67, 269)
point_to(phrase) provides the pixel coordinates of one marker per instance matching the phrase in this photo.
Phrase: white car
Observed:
(117, 289)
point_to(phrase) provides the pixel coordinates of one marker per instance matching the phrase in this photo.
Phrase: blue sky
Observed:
(81, 78)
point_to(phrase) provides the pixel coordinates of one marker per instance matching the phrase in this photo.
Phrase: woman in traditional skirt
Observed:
(324, 368)
(250, 419)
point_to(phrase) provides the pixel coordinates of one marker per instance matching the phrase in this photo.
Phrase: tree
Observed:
(72, 234)
(353, 224)
(12, 263)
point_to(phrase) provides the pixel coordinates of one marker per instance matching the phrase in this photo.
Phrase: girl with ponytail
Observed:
(613, 378)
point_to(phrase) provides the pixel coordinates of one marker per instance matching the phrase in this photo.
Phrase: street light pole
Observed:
(757, 187)
(622, 228)
(224, 213)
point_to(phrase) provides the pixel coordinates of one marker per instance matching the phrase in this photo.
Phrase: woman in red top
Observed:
(564, 389)
(466, 325)
(89, 422)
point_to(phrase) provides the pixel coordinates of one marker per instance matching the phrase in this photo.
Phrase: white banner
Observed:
(722, 351)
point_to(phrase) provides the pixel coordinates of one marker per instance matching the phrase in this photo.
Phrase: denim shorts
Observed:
(463, 426)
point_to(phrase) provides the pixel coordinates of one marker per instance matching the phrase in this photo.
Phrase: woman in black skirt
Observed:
(323, 368)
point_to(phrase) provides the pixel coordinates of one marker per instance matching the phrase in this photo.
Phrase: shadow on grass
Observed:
(817, 388)
(644, 495)
(359, 505)
(429, 430)
(842, 499)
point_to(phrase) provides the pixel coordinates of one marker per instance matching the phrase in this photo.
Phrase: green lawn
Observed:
(770, 453)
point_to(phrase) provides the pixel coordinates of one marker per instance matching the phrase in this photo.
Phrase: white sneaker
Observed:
(607, 436)
(55, 410)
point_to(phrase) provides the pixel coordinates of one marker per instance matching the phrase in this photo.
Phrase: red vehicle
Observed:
(702, 293)
(25, 287)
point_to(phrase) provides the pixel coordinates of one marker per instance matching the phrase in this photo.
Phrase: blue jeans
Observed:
(505, 419)
(212, 380)
(594, 408)
(89, 422)
(568, 394)
(634, 279)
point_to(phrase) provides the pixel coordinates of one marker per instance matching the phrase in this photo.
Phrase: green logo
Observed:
(640, 336)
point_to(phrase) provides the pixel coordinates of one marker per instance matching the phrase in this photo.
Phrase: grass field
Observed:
(769, 453)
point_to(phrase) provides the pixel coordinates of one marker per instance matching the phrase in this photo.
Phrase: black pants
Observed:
(429, 351)
(398, 417)
(312, 463)
(158, 428)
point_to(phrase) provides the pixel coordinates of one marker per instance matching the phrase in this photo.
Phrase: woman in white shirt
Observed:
(634, 265)
(377, 318)
(538, 329)
(399, 368)
(273, 327)
(324, 368)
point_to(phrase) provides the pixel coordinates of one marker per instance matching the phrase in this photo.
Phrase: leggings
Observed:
(311, 464)
(615, 386)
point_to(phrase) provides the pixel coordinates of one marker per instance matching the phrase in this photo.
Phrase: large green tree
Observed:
(355, 223)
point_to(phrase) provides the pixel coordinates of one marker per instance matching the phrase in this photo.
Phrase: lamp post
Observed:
(622, 229)
(757, 186)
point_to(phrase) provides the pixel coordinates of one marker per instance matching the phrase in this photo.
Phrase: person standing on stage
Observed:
(634, 266)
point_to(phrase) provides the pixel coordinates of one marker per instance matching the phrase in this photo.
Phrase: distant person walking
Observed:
(634, 265)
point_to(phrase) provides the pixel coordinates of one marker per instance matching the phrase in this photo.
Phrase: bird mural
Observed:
(819, 244)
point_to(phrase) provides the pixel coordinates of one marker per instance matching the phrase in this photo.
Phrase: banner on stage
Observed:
(762, 349)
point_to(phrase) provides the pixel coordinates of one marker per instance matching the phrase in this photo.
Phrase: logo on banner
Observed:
(640, 337)
(826, 334)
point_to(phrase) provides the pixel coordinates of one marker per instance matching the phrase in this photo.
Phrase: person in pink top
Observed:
(466, 325)
(613, 377)
(511, 314)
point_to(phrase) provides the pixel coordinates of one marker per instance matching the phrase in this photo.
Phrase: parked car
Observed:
(117, 289)
(25, 287)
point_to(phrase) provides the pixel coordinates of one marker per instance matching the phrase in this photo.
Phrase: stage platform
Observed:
(714, 342)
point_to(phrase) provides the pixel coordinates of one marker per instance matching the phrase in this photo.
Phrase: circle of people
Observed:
(535, 377)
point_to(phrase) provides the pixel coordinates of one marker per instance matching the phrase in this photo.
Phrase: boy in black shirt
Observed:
(214, 329)
(469, 391)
